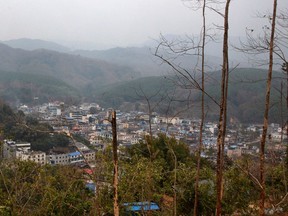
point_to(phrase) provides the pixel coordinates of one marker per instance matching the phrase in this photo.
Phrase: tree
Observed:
(240, 191)
(93, 110)
(162, 183)
(26, 188)
(222, 114)
(266, 113)
(115, 162)
(202, 107)
(187, 79)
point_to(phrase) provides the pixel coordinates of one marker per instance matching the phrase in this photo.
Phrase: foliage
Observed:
(24, 87)
(29, 189)
(18, 127)
(81, 139)
(239, 192)
(93, 110)
(163, 148)
(169, 170)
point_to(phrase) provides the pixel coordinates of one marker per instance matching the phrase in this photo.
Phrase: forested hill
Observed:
(25, 88)
(245, 100)
(49, 75)
(75, 70)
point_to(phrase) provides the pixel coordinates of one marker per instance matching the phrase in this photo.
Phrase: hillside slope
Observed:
(245, 100)
(143, 60)
(77, 71)
(34, 44)
(18, 88)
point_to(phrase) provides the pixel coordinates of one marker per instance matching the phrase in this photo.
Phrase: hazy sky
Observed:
(115, 22)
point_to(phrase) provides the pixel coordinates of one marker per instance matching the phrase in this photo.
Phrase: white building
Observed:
(35, 156)
(58, 159)
(65, 158)
(22, 151)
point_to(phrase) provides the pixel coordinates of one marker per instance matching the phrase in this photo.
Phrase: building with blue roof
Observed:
(75, 157)
(136, 208)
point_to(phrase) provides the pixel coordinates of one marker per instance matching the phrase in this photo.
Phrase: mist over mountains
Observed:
(34, 44)
(75, 70)
(117, 77)
(141, 57)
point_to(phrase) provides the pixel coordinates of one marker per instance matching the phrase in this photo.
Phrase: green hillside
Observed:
(132, 94)
(245, 100)
(79, 72)
(24, 88)
(247, 88)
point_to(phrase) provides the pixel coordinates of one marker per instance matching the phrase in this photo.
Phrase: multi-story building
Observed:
(11, 149)
(75, 157)
(22, 151)
(61, 159)
(35, 156)
(89, 155)
(65, 158)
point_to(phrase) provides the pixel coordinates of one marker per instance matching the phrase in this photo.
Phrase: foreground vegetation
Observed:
(160, 170)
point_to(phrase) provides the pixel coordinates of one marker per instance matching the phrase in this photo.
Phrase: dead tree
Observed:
(188, 80)
(266, 113)
(200, 145)
(112, 119)
(272, 46)
(222, 114)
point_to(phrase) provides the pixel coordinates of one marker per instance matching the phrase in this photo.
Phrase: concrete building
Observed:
(11, 149)
(35, 156)
(58, 159)
(22, 151)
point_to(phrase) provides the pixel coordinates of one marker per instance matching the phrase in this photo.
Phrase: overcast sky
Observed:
(108, 23)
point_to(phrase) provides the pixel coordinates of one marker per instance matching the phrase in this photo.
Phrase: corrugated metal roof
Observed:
(74, 153)
(141, 206)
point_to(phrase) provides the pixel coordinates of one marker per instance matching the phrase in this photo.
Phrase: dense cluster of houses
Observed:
(90, 121)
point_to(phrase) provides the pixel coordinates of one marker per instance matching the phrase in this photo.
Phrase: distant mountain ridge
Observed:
(76, 71)
(120, 77)
(34, 44)
(141, 59)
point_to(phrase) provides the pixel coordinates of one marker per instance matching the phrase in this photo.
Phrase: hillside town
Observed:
(90, 121)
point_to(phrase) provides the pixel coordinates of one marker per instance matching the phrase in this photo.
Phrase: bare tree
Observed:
(266, 113)
(222, 114)
(140, 92)
(187, 79)
(112, 119)
(203, 35)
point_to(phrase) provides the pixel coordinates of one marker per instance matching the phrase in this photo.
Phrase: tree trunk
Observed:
(266, 114)
(222, 115)
(287, 109)
(202, 109)
(115, 163)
